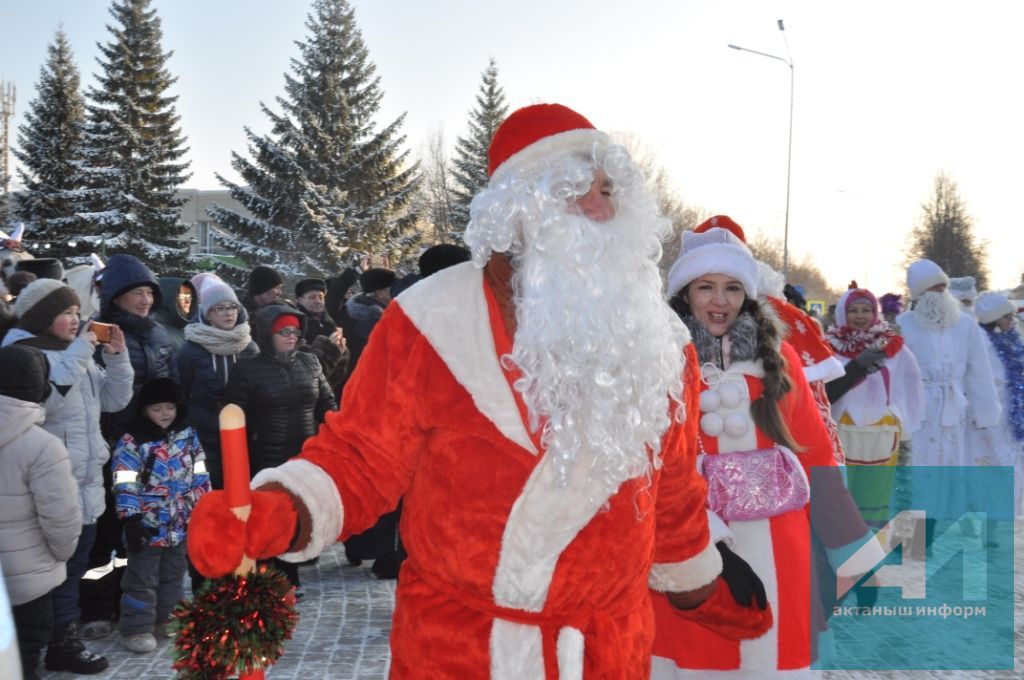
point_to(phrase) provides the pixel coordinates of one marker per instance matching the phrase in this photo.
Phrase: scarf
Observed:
(850, 342)
(44, 341)
(218, 341)
(1010, 350)
(740, 341)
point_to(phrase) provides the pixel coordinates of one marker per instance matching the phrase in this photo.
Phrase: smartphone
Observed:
(101, 330)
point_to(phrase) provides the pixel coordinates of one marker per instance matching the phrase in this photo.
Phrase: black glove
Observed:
(743, 583)
(136, 534)
(871, 359)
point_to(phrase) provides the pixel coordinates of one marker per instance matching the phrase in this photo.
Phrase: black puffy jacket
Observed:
(285, 396)
(149, 347)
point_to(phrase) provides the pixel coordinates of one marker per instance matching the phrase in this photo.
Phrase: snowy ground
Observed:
(345, 619)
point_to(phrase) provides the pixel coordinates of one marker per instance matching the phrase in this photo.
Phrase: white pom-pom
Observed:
(730, 395)
(736, 424)
(712, 424)
(709, 401)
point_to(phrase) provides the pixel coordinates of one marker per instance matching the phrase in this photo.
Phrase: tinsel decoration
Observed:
(891, 303)
(234, 626)
(1011, 353)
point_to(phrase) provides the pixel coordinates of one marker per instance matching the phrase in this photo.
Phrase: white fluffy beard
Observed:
(937, 310)
(601, 353)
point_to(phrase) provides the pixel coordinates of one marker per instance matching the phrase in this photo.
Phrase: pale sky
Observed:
(887, 94)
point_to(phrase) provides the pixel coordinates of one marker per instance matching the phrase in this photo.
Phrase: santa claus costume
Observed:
(544, 457)
(958, 384)
(874, 410)
(757, 481)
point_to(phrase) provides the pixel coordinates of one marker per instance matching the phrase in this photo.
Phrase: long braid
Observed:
(765, 409)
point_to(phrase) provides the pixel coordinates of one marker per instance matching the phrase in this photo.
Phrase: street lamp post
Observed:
(789, 152)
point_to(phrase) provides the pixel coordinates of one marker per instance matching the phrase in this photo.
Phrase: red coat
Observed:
(778, 548)
(507, 576)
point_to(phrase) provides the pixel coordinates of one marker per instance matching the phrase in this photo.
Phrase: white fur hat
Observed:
(922, 275)
(963, 288)
(991, 306)
(714, 251)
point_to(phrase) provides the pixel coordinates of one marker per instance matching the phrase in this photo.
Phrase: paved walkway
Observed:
(342, 634)
(345, 620)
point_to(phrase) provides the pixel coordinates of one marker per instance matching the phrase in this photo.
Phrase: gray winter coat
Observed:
(74, 416)
(39, 517)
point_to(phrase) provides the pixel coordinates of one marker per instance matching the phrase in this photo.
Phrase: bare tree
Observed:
(683, 216)
(438, 192)
(802, 272)
(945, 234)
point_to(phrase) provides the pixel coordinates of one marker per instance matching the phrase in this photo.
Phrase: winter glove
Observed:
(722, 615)
(217, 539)
(136, 534)
(743, 583)
(870, 359)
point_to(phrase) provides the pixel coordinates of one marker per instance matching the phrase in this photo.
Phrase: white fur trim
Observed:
(532, 543)
(679, 577)
(827, 370)
(754, 544)
(716, 251)
(450, 310)
(517, 651)
(318, 492)
(583, 139)
(570, 654)
(720, 531)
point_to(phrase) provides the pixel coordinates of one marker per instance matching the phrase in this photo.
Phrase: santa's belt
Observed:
(556, 631)
(952, 400)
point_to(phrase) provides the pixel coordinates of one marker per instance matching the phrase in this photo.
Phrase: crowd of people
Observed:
(560, 453)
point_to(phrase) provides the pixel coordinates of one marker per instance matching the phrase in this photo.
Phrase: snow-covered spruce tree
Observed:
(48, 148)
(324, 187)
(132, 147)
(470, 160)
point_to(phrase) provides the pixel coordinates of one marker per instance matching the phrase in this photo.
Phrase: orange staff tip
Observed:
(232, 417)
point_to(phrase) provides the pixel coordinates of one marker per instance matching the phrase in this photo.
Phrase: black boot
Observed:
(67, 653)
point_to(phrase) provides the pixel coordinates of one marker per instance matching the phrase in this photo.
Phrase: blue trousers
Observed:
(65, 596)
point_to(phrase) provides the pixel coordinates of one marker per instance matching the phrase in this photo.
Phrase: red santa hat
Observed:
(536, 131)
(717, 246)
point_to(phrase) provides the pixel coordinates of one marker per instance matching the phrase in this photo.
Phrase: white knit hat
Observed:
(714, 251)
(992, 306)
(922, 275)
(214, 292)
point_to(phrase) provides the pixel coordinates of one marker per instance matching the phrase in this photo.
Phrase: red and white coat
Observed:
(778, 549)
(507, 576)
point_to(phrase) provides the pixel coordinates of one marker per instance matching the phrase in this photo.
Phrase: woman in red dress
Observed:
(760, 433)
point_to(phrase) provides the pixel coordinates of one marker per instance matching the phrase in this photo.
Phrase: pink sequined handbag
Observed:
(749, 485)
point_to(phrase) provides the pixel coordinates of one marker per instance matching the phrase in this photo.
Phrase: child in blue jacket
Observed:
(159, 474)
